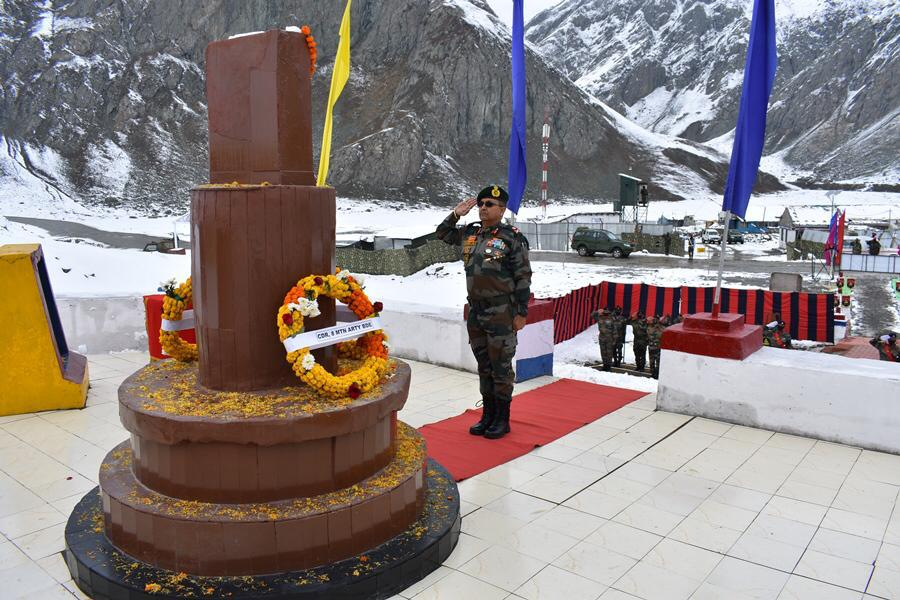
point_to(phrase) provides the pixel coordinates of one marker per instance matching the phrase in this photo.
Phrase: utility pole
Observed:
(545, 147)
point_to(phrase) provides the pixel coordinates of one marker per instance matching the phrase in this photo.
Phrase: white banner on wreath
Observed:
(332, 335)
(186, 322)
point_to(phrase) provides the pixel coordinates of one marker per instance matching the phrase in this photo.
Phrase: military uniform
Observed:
(887, 347)
(641, 339)
(498, 283)
(607, 337)
(654, 334)
(621, 323)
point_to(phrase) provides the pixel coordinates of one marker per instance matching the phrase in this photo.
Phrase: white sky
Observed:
(503, 8)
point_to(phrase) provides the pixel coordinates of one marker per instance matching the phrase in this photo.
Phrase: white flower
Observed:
(306, 307)
(386, 346)
(308, 362)
(360, 279)
(343, 275)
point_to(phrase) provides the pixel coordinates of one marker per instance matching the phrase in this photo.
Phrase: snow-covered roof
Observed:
(810, 216)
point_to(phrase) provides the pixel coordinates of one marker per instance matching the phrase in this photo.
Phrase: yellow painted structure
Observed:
(37, 372)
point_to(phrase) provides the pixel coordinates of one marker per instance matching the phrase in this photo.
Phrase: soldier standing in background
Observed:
(607, 335)
(639, 330)
(621, 322)
(498, 282)
(655, 330)
(874, 245)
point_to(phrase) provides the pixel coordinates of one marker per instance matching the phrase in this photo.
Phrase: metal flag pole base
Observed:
(718, 295)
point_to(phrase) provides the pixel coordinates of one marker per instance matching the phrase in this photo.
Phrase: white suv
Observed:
(711, 236)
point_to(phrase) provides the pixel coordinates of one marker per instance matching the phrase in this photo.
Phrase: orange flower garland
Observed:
(178, 298)
(300, 302)
(311, 44)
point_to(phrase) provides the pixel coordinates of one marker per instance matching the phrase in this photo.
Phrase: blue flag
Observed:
(518, 173)
(750, 133)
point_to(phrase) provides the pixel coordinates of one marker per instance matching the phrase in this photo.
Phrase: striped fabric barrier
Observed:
(572, 312)
(807, 316)
(640, 297)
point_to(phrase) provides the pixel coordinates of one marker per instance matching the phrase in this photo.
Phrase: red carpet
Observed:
(538, 417)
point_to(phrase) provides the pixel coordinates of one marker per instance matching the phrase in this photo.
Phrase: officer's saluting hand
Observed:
(463, 208)
(498, 282)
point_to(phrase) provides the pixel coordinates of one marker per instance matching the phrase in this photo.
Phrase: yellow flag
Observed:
(339, 78)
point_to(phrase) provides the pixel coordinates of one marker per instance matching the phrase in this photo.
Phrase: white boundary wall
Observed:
(428, 334)
(850, 401)
(99, 325)
(417, 331)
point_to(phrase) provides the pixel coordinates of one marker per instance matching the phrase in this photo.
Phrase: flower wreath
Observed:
(178, 298)
(302, 301)
(311, 44)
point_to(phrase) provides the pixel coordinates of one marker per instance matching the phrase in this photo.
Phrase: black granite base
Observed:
(105, 573)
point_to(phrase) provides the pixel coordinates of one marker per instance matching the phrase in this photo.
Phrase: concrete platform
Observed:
(639, 504)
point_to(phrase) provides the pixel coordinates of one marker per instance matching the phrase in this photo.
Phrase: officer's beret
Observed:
(494, 192)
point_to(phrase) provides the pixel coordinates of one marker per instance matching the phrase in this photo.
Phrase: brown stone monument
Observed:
(233, 467)
(253, 243)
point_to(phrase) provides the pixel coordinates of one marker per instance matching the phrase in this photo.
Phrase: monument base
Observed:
(724, 336)
(102, 571)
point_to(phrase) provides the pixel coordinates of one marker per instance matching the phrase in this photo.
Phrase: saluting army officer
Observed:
(498, 282)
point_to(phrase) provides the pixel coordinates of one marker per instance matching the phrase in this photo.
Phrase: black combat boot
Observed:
(500, 426)
(488, 413)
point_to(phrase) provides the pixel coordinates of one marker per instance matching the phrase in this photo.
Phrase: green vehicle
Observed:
(587, 242)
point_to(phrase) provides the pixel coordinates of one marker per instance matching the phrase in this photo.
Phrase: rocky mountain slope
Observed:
(104, 101)
(675, 67)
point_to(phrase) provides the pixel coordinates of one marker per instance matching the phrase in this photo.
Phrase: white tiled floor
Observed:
(639, 504)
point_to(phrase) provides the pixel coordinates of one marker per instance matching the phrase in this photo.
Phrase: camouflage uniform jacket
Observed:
(496, 261)
(641, 336)
(607, 327)
(654, 334)
(621, 323)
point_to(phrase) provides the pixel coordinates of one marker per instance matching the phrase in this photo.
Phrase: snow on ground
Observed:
(620, 380)
(443, 286)
(666, 110)
(132, 272)
(570, 357)
(87, 270)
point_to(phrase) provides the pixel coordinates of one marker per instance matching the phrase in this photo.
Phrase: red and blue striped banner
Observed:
(572, 312)
(640, 297)
(807, 316)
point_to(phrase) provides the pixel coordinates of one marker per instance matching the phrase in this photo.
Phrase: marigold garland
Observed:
(177, 300)
(302, 301)
(311, 44)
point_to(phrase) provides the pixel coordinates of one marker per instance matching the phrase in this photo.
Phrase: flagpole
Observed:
(340, 74)
(718, 296)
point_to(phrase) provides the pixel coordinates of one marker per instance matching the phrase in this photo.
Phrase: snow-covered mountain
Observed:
(104, 101)
(676, 67)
